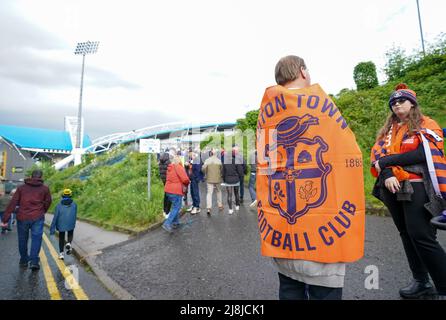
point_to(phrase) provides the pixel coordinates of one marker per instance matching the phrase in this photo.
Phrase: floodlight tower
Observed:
(421, 28)
(83, 48)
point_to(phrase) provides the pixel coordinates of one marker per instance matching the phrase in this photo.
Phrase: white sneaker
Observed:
(189, 209)
(194, 211)
(68, 248)
(61, 257)
(231, 211)
(237, 208)
(253, 204)
(198, 210)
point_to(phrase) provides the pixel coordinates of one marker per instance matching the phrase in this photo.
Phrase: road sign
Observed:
(17, 169)
(149, 145)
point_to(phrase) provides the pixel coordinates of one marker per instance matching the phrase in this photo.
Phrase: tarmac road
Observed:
(213, 257)
(52, 282)
(218, 257)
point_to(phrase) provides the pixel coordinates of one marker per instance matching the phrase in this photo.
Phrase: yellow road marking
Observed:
(50, 283)
(76, 288)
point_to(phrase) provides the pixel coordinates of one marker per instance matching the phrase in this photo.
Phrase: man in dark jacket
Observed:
(33, 199)
(195, 178)
(162, 167)
(232, 172)
(241, 160)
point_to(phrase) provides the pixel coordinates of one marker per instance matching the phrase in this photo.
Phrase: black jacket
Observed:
(162, 166)
(232, 172)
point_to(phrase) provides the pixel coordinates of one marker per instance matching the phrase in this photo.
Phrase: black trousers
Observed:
(242, 189)
(62, 239)
(167, 204)
(230, 190)
(290, 289)
(424, 253)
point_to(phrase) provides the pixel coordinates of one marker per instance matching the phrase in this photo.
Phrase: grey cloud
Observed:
(19, 33)
(105, 79)
(21, 59)
(97, 122)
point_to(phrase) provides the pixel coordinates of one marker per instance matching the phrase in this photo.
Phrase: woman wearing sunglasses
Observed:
(404, 185)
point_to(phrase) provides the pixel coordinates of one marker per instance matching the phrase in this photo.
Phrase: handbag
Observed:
(439, 204)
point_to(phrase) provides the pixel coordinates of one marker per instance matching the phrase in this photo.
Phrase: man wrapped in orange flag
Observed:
(310, 187)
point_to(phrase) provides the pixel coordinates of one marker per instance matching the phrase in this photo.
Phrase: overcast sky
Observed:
(165, 61)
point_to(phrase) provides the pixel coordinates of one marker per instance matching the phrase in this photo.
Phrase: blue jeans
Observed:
(195, 193)
(23, 229)
(174, 214)
(252, 185)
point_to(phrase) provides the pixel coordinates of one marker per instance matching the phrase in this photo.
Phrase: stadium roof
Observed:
(42, 139)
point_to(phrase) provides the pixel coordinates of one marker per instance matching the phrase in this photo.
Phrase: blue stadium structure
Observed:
(175, 133)
(21, 147)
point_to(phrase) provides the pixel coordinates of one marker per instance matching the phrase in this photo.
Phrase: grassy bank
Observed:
(114, 194)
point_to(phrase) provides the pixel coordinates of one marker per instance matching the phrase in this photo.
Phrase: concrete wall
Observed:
(15, 162)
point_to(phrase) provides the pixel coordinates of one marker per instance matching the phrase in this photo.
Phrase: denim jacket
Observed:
(65, 216)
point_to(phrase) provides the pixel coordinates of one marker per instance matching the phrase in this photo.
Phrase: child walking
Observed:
(64, 221)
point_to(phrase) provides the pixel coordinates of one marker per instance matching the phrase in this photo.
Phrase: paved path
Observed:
(92, 239)
(218, 257)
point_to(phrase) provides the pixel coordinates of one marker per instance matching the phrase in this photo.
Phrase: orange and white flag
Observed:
(310, 186)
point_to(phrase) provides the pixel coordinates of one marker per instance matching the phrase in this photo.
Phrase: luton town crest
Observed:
(299, 182)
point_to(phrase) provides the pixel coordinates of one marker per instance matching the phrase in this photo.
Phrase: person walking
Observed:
(212, 169)
(405, 146)
(187, 164)
(4, 201)
(64, 220)
(33, 199)
(311, 206)
(176, 183)
(232, 173)
(196, 177)
(241, 160)
(162, 168)
(252, 178)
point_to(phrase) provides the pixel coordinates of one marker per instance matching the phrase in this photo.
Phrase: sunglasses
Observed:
(400, 101)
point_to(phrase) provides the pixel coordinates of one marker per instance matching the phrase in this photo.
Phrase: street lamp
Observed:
(421, 29)
(83, 48)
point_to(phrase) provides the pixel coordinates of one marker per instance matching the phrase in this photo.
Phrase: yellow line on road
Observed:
(75, 287)
(50, 283)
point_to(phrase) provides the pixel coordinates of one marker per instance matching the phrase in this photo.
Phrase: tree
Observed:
(249, 122)
(365, 76)
(396, 63)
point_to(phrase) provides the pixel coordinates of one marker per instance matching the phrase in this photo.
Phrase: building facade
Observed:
(22, 147)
